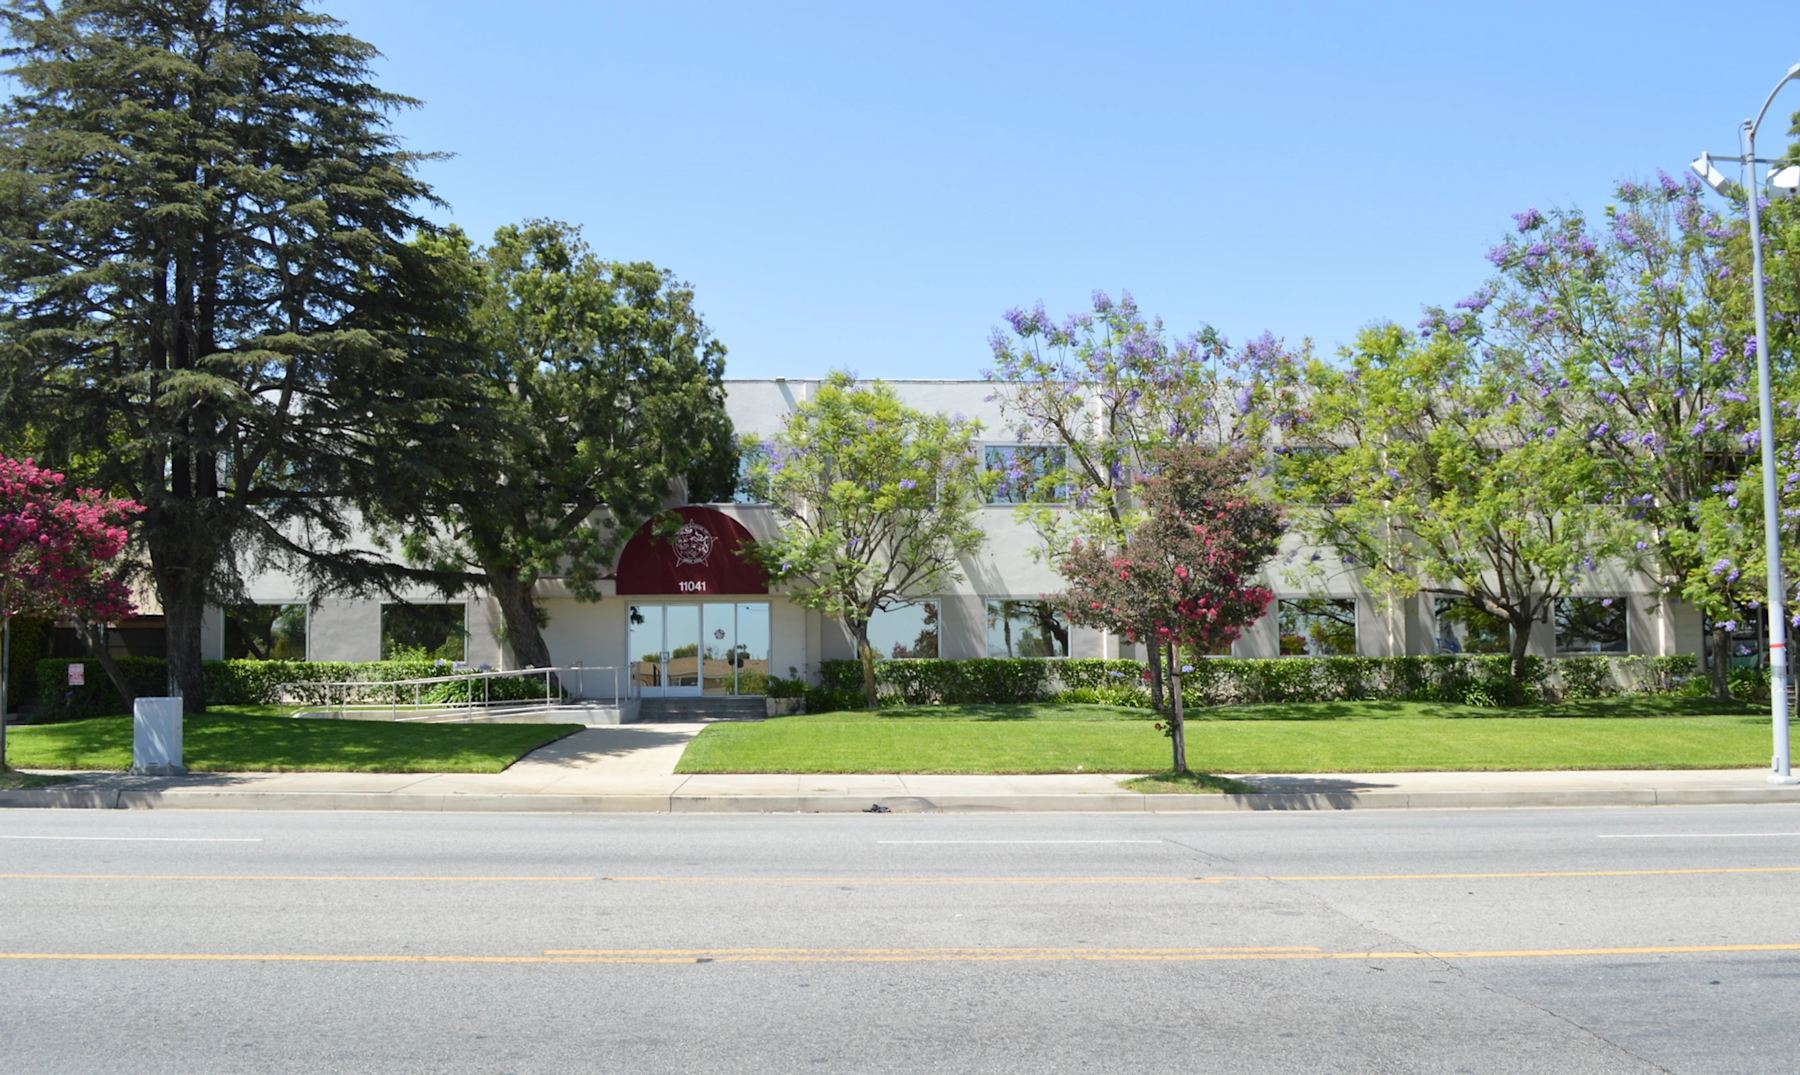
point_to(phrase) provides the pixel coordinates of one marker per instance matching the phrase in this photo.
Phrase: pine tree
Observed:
(206, 292)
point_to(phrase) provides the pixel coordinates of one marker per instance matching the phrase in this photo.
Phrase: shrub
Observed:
(265, 683)
(939, 682)
(1585, 677)
(834, 699)
(776, 687)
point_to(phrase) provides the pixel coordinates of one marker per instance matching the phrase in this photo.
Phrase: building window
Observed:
(1591, 625)
(748, 457)
(434, 632)
(265, 632)
(905, 631)
(1026, 629)
(1027, 473)
(1317, 627)
(1463, 628)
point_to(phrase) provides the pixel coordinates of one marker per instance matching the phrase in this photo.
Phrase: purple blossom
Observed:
(1642, 545)
(1717, 352)
(908, 483)
(1529, 219)
(1720, 567)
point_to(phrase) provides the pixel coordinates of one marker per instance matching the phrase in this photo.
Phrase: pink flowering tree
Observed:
(1185, 578)
(54, 547)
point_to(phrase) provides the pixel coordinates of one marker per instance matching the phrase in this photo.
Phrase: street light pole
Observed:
(1778, 666)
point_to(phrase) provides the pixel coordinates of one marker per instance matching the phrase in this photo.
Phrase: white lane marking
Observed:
(1020, 841)
(151, 839)
(1685, 835)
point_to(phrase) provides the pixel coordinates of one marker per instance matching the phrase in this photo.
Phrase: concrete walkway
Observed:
(631, 768)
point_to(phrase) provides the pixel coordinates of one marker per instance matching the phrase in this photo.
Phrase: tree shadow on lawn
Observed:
(1340, 710)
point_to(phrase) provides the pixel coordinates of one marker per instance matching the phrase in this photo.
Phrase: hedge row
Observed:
(1477, 680)
(257, 683)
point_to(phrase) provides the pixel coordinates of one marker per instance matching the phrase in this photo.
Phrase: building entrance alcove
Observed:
(690, 649)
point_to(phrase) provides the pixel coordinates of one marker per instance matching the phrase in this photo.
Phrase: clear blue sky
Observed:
(871, 186)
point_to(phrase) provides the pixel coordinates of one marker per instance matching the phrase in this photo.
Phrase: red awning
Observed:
(711, 554)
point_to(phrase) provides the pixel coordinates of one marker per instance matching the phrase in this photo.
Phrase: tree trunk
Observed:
(866, 653)
(1177, 719)
(520, 616)
(5, 674)
(184, 607)
(1721, 663)
(1521, 641)
(96, 644)
(1153, 657)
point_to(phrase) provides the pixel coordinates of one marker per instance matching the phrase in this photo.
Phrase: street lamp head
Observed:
(1785, 183)
(1794, 71)
(1709, 174)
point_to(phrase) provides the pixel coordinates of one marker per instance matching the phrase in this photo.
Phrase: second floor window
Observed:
(1027, 473)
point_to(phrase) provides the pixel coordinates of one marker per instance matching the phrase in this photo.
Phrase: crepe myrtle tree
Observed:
(1186, 575)
(877, 502)
(55, 546)
(1101, 391)
(1431, 473)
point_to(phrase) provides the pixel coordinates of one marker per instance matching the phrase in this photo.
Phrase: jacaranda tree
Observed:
(1093, 397)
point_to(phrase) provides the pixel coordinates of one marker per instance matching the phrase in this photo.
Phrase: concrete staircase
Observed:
(703, 710)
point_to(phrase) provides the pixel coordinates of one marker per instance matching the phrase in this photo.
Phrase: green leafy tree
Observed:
(206, 294)
(1430, 473)
(877, 502)
(607, 387)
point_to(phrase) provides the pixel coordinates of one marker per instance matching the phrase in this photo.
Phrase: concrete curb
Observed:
(1122, 802)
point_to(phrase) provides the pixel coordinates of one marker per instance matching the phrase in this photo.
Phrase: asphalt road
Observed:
(1619, 940)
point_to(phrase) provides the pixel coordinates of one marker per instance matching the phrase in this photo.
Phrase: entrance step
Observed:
(703, 710)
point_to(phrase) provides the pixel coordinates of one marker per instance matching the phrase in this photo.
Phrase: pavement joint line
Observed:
(1684, 835)
(1124, 880)
(1211, 880)
(149, 839)
(259, 877)
(840, 955)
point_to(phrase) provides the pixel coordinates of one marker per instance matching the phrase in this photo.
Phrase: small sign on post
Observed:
(77, 675)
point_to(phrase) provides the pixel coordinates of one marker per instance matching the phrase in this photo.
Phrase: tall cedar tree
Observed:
(1186, 576)
(610, 387)
(205, 289)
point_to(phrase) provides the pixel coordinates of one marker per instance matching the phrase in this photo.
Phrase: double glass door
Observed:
(694, 649)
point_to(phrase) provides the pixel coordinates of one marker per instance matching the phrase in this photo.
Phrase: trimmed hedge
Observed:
(256, 683)
(1466, 679)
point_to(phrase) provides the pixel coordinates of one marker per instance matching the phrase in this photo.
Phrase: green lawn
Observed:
(249, 739)
(1612, 733)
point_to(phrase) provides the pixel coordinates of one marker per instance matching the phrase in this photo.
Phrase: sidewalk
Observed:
(630, 769)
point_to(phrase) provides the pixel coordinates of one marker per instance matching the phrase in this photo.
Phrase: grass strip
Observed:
(863, 745)
(253, 743)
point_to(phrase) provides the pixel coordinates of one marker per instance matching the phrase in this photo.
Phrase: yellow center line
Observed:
(901, 955)
(258, 877)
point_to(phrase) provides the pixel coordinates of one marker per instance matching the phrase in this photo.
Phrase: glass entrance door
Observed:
(691, 649)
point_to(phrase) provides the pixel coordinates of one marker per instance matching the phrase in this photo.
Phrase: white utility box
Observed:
(156, 736)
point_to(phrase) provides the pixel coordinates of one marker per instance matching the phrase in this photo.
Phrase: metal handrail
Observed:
(336, 693)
